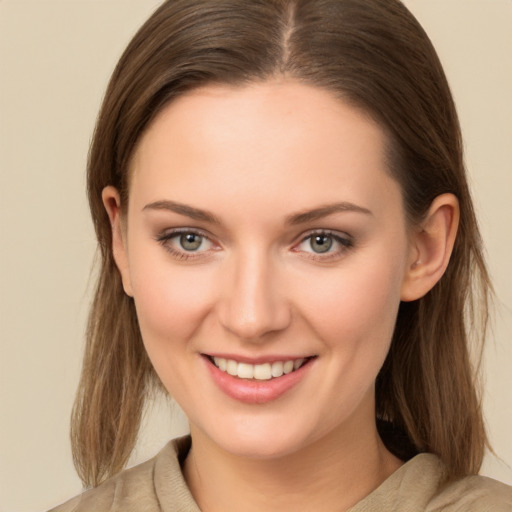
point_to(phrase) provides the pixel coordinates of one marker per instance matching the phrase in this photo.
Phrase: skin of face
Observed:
(255, 284)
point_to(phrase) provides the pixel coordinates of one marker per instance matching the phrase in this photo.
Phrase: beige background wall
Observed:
(55, 60)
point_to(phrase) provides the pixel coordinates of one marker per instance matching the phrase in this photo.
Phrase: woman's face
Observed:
(264, 233)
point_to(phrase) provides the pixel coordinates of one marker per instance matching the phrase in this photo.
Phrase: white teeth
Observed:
(265, 371)
(245, 371)
(277, 369)
(220, 363)
(297, 363)
(232, 367)
(262, 371)
(288, 367)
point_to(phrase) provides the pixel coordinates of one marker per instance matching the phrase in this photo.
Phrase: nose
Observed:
(253, 304)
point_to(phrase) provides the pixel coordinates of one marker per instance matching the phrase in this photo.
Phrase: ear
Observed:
(431, 247)
(112, 203)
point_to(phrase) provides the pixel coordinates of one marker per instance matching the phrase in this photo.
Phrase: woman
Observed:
(290, 250)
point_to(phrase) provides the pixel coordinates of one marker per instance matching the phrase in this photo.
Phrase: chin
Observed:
(262, 440)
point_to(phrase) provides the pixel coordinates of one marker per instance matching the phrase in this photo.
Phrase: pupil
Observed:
(321, 243)
(190, 241)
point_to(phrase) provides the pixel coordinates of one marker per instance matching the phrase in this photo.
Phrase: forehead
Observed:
(259, 143)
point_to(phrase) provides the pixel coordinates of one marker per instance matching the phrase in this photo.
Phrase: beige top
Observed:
(158, 485)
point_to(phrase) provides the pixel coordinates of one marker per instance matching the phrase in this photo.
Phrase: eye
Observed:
(191, 241)
(321, 243)
(185, 243)
(324, 243)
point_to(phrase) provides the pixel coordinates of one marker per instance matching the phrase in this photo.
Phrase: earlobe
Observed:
(431, 247)
(112, 203)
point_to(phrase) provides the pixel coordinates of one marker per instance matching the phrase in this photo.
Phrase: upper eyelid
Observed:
(345, 240)
(166, 235)
(171, 232)
(327, 232)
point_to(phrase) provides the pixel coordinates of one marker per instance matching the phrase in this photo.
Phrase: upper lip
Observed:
(271, 358)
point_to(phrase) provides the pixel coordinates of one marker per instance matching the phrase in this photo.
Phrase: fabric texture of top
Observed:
(157, 485)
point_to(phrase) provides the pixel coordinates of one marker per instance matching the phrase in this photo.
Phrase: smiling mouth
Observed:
(264, 371)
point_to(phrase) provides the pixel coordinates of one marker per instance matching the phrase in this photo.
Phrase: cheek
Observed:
(353, 314)
(170, 300)
(355, 305)
(171, 303)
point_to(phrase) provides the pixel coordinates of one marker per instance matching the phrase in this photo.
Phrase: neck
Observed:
(333, 473)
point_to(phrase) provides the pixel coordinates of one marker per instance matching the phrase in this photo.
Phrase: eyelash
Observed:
(182, 255)
(345, 243)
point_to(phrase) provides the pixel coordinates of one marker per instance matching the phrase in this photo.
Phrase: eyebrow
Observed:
(294, 219)
(325, 211)
(183, 209)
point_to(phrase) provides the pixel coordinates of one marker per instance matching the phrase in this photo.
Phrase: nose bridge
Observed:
(253, 304)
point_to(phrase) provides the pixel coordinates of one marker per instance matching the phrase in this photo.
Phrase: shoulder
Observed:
(419, 486)
(131, 486)
(469, 494)
(138, 488)
(473, 494)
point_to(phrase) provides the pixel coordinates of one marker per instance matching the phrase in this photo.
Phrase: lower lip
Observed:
(252, 391)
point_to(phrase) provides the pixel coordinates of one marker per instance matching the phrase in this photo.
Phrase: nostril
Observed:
(254, 322)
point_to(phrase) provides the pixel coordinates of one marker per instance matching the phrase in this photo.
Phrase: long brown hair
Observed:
(371, 53)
